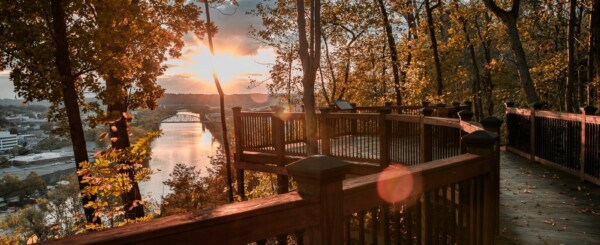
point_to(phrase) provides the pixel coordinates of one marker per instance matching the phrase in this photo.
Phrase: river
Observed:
(186, 143)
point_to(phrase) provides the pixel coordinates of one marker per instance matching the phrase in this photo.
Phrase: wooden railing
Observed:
(270, 140)
(567, 141)
(439, 110)
(448, 201)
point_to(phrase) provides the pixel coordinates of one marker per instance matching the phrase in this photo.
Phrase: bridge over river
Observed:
(186, 117)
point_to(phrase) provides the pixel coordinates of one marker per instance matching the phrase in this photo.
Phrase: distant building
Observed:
(27, 138)
(7, 140)
(41, 158)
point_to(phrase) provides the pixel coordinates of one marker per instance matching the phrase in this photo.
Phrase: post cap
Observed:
(319, 167)
(537, 105)
(465, 115)
(426, 111)
(325, 109)
(509, 104)
(480, 138)
(236, 108)
(589, 110)
(384, 110)
(387, 104)
(425, 103)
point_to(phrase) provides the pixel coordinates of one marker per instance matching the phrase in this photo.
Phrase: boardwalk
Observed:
(539, 205)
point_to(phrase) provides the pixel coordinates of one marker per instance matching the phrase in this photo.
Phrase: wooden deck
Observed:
(540, 205)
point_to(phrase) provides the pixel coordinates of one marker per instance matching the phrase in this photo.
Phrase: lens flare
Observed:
(397, 183)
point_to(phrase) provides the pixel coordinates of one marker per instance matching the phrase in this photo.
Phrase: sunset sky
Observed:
(237, 58)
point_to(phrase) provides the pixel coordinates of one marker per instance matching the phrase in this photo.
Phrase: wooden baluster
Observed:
(347, 230)
(484, 143)
(361, 227)
(453, 213)
(411, 216)
(319, 180)
(374, 227)
(397, 226)
(385, 223)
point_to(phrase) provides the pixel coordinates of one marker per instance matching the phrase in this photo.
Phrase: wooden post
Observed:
(278, 133)
(239, 149)
(535, 106)
(469, 105)
(588, 110)
(384, 130)
(441, 109)
(464, 115)
(494, 124)
(425, 141)
(319, 180)
(325, 135)
(353, 123)
(507, 105)
(484, 143)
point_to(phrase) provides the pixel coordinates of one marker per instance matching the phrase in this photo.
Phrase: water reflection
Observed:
(187, 143)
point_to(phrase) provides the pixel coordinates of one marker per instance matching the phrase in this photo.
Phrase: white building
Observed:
(7, 140)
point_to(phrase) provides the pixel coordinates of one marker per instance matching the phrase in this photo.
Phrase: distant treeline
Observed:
(245, 100)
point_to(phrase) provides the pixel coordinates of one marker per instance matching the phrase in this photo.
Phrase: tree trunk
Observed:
(67, 82)
(486, 81)
(571, 66)
(310, 56)
(411, 33)
(476, 86)
(436, 56)
(594, 52)
(522, 65)
(509, 18)
(393, 50)
(116, 108)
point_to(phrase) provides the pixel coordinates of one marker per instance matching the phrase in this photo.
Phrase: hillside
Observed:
(246, 100)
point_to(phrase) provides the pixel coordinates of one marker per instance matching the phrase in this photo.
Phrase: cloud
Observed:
(252, 74)
(241, 87)
(186, 83)
(232, 36)
(190, 40)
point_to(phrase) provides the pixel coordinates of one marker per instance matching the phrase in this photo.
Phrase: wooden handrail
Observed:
(236, 223)
(258, 219)
(361, 193)
(578, 134)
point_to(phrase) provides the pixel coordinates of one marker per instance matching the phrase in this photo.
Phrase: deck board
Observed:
(540, 205)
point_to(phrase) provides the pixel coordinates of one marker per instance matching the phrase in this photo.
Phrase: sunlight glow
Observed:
(192, 72)
(397, 183)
